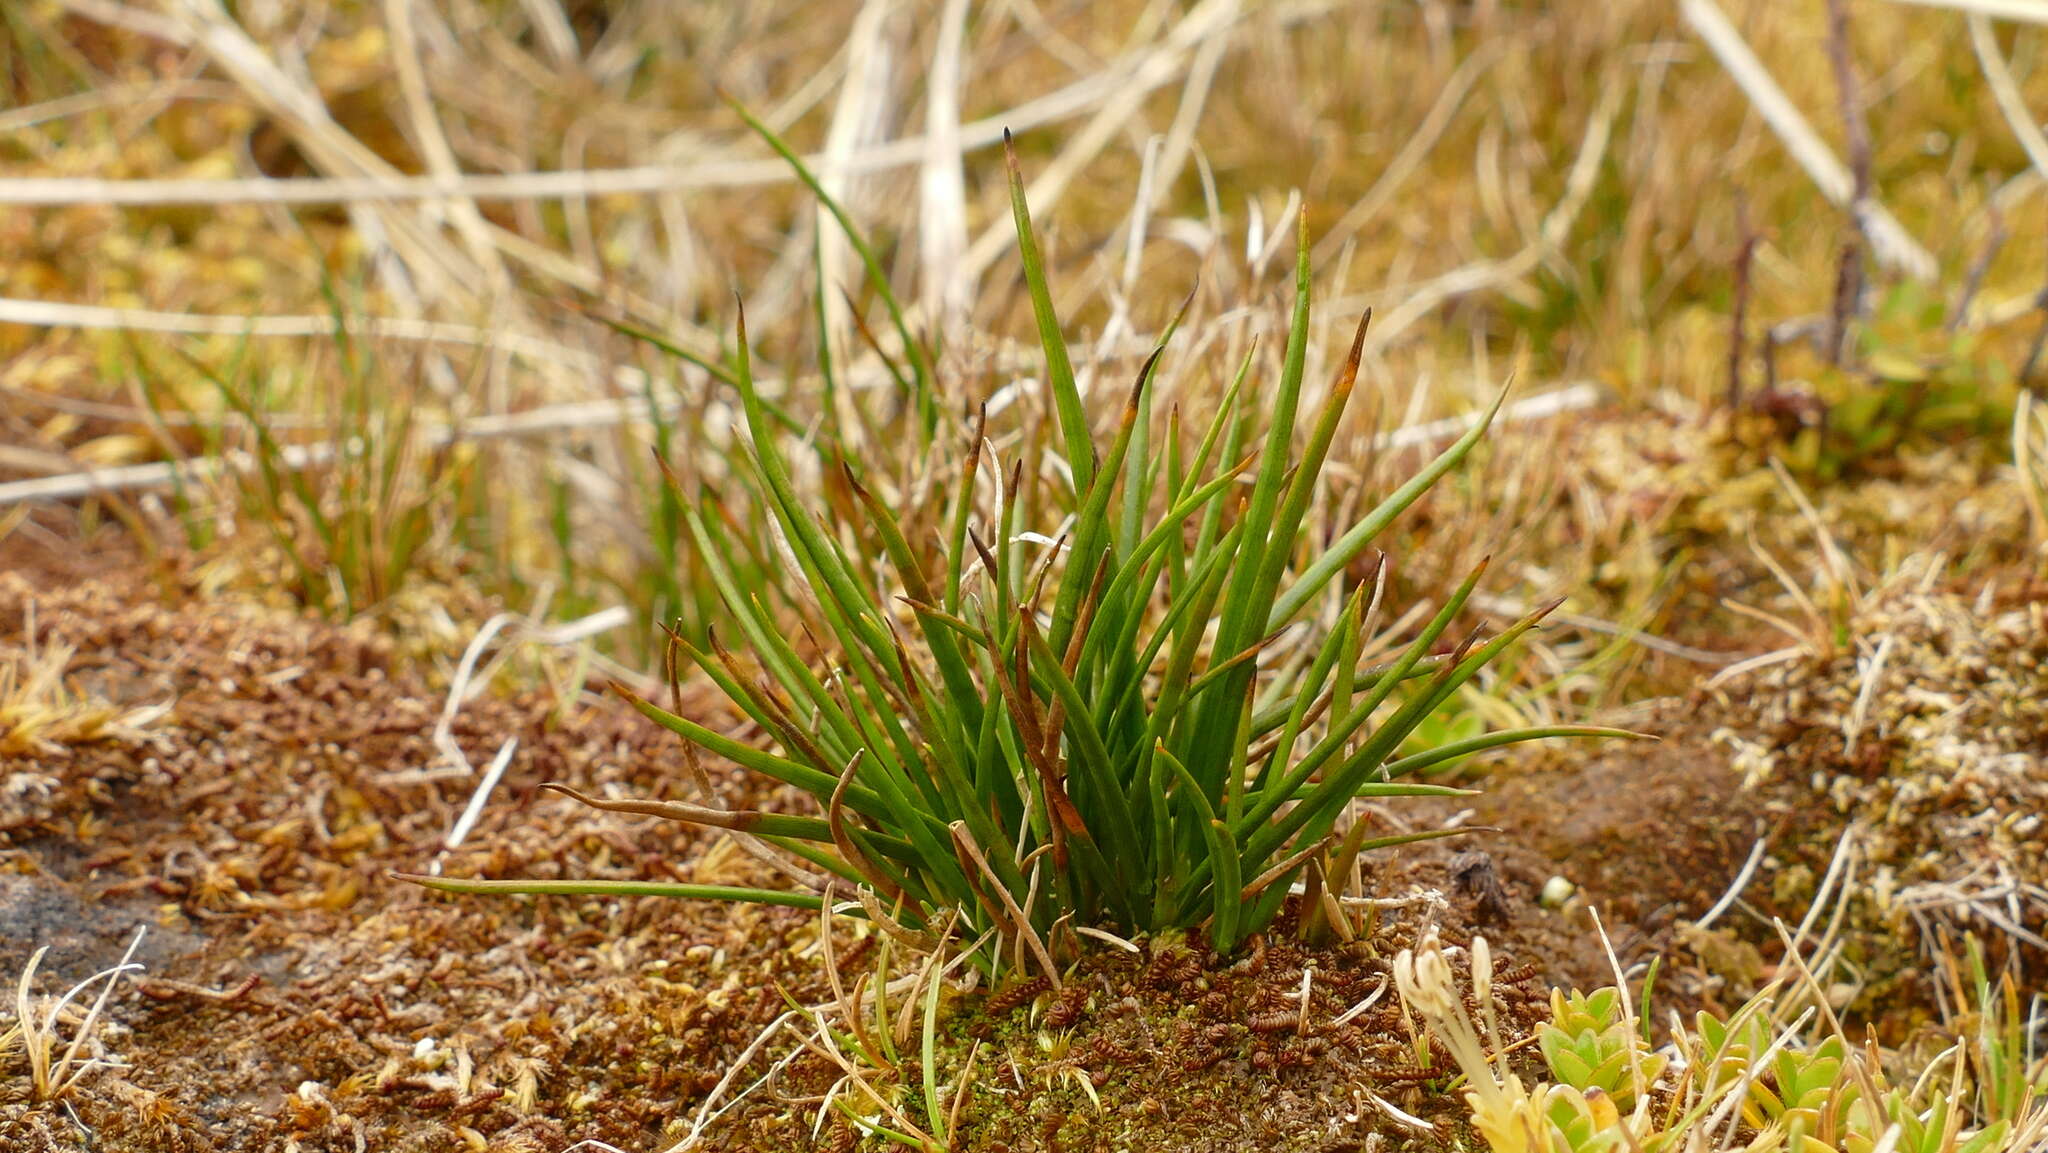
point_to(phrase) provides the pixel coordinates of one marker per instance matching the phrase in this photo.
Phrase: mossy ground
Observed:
(1181, 1049)
(254, 823)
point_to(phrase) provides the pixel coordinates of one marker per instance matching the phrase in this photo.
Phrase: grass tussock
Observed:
(61, 1041)
(1082, 738)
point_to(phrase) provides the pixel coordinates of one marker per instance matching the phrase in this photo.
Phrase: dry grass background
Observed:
(1557, 190)
(192, 195)
(1425, 138)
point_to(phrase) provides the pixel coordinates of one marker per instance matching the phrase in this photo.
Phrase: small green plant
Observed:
(1792, 1089)
(2012, 1074)
(1084, 737)
(1911, 380)
(1589, 1045)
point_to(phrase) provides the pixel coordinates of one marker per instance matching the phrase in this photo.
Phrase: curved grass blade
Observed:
(1458, 749)
(813, 781)
(618, 889)
(927, 406)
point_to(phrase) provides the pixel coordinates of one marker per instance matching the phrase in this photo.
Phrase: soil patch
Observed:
(296, 997)
(294, 994)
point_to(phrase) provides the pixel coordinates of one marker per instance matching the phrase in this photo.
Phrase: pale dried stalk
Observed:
(1135, 75)
(1894, 247)
(1152, 68)
(2029, 11)
(858, 121)
(942, 189)
(2006, 91)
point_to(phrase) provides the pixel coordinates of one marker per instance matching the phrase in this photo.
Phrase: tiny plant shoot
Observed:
(1080, 738)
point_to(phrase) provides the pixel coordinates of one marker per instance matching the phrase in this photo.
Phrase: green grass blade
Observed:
(1312, 817)
(1301, 490)
(1093, 760)
(1333, 741)
(1328, 657)
(1421, 761)
(617, 889)
(1059, 371)
(713, 368)
(928, 1056)
(782, 769)
(963, 509)
(1354, 541)
(1091, 528)
(1137, 572)
(1226, 894)
(927, 405)
(1243, 617)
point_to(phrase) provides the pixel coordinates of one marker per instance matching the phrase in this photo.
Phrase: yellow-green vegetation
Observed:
(1911, 380)
(1780, 1073)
